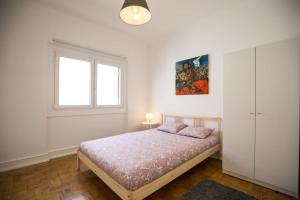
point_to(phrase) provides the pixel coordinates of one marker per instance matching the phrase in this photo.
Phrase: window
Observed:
(74, 84)
(108, 89)
(87, 82)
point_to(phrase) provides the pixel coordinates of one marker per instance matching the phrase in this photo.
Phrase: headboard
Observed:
(195, 121)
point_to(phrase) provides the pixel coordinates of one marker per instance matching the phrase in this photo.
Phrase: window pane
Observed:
(74, 82)
(107, 85)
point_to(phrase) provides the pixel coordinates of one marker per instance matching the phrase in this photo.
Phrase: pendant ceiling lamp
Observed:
(135, 12)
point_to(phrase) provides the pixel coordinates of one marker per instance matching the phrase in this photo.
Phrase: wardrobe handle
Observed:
(251, 113)
(259, 113)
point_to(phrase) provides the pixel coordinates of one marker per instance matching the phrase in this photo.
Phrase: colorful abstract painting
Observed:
(192, 76)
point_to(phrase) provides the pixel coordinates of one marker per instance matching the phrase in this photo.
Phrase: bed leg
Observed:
(78, 164)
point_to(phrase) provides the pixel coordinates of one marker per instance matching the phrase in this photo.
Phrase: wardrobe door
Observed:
(239, 109)
(277, 120)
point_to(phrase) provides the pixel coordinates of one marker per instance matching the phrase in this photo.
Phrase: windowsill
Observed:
(85, 111)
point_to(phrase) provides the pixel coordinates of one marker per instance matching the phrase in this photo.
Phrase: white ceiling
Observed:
(167, 15)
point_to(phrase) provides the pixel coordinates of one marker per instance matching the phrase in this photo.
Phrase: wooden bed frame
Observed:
(149, 188)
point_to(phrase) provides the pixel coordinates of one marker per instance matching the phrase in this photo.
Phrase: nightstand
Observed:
(149, 125)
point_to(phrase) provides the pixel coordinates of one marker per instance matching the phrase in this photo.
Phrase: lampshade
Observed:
(149, 117)
(135, 12)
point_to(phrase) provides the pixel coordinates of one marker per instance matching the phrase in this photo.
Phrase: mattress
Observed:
(137, 158)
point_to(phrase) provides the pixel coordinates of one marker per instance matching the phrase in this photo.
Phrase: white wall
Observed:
(246, 24)
(26, 27)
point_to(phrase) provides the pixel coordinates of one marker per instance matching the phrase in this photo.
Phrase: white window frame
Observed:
(61, 49)
(121, 80)
(66, 54)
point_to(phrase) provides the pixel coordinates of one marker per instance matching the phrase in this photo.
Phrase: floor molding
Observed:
(36, 159)
(23, 162)
(40, 158)
(56, 153)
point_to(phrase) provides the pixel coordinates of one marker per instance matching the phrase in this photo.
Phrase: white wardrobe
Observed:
(261, 115)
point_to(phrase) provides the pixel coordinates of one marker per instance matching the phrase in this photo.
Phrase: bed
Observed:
(136, 164)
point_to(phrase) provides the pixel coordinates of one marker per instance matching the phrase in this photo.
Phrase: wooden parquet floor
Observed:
(58, 179)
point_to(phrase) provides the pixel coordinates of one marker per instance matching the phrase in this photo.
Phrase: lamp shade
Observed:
(135, 12)
(149, 117)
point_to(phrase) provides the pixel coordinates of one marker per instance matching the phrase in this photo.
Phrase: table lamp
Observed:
(149, 117)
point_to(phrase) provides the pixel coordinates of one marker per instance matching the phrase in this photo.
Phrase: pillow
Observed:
(172, 127)
(199, 132)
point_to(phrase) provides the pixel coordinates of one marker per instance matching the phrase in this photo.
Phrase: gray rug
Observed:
(210, 190)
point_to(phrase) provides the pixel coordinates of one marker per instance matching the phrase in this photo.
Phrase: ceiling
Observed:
(167, 15)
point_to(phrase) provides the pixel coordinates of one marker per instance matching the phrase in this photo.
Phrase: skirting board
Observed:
(56, 153)
(272, 187)
(40, 158)
(36, 159)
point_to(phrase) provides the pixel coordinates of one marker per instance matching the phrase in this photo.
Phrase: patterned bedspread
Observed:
(137, 158)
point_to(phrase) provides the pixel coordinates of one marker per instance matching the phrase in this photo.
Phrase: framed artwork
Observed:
(192, 76)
